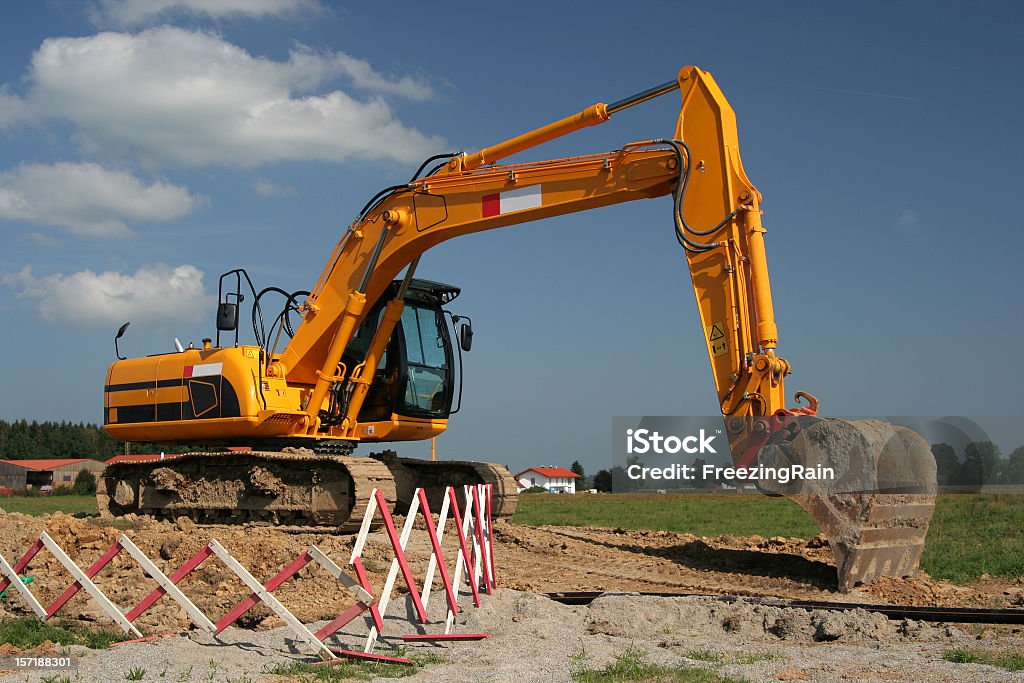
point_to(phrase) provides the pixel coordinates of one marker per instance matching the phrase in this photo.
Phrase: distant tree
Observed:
(603, 481)
(85, 483)
(622, 483)
(21, 439)
(1015, 466)
(584, 481)
(699, 480)
(946, 463)
(983, 464)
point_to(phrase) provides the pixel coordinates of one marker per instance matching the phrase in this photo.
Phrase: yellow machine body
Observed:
(217, 395)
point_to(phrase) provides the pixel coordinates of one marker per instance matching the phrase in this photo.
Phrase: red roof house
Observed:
(554, 479)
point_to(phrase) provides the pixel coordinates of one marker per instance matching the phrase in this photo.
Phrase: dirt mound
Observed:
(658, 619)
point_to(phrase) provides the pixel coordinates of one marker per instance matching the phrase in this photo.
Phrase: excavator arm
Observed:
(875, 513)
(717, 217)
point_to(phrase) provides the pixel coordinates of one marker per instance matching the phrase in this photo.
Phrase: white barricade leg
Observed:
(108, 607)
(389, 585)
(197, 617)
(268, 599)
(22, 589)
(460, 563)
(428, 581)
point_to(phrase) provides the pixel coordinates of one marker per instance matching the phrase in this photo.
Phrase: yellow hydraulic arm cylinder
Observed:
(726, 258)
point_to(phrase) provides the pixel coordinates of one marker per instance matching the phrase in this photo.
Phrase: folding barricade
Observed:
(475, 556)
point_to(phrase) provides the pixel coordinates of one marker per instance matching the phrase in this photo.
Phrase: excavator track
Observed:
(296, 489)
(293, 491)
(435, 476)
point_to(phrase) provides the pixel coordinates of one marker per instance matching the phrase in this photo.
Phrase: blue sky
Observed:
(148, 145)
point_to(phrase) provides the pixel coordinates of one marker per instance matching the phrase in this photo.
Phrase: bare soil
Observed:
(535, 559)
(538, 560)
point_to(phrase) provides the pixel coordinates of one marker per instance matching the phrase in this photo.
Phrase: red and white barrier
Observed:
(475, 557)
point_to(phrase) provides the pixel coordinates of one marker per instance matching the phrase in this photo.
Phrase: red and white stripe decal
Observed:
(203, 370)
(513, 200)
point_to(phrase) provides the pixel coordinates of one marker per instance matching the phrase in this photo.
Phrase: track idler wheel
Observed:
(876, 508)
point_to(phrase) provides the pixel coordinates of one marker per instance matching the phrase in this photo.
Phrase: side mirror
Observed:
(466, 337)
(120, 333)
(227, 316)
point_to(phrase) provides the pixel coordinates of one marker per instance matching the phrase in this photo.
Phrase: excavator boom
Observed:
(348, 373)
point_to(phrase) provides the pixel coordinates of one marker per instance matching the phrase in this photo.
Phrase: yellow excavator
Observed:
(372, 354)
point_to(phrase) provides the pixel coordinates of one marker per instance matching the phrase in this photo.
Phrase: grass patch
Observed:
(1012, 661)
(704, 656)
(960, 545)
(732, 657)
(41, 505)
(56, 678)
(696, 513)
(632, 665)
(304, 672)
(755, 657)
(975, 534)
(30, 632)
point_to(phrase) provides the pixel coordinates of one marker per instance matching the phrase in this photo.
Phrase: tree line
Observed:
(982, 463)
(21, 440)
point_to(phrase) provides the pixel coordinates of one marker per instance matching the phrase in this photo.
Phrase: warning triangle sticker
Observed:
(716, 333)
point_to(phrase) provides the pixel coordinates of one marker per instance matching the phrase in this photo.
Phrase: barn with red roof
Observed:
(46, 474)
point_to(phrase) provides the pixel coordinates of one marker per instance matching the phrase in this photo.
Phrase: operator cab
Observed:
(416, 376)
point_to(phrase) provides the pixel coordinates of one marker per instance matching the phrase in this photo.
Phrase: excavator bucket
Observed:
(876, 507)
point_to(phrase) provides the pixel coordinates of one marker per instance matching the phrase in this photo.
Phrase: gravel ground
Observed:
(535, 639)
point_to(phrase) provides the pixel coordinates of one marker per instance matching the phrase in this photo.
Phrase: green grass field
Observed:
(970, 534)
(40, 505)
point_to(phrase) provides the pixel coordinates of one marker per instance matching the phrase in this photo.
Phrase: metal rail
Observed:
(962, 615)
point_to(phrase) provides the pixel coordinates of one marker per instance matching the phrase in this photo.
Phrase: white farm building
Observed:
(554, 479)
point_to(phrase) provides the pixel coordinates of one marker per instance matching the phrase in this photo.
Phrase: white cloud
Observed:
(12, 108)
(267, 188)
(130, 13)
(41, 240)
(909, 223)
(907, 218)
(185, 98)
(87, 199)
(153, 293)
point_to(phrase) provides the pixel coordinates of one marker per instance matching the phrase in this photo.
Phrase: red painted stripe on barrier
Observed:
(92, 571)
(352, 654)
(254, 599)
(403, 564)
(463, 548)
(342, 619)
(479, 513)
(436, 545)
(182, 571)
(22, 563)
(490, 534)
(364, 581)
(430, 637)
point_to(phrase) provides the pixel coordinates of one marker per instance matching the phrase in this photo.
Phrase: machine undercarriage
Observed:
(296, 488)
